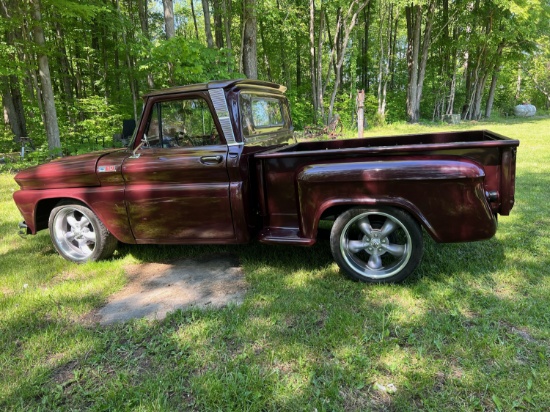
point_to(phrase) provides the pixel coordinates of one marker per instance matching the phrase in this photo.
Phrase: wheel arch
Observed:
(335, 207)
(44, 208)
(120, 229)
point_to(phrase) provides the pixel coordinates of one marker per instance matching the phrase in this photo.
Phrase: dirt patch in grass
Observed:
(155, 289)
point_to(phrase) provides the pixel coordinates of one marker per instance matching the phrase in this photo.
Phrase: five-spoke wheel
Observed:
(376, 245)
(78, 235)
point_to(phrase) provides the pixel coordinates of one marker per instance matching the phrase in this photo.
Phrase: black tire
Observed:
(78, 234)
(376, 245)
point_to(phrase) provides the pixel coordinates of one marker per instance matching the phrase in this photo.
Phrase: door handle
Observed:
(211, 160)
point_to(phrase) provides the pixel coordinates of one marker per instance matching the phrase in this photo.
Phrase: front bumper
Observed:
(23, 230)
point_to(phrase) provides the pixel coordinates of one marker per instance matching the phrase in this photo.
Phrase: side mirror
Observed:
(137, 155)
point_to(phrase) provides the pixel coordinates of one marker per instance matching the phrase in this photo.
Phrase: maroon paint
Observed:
(277, 192)
(172, 195)
(76, 171)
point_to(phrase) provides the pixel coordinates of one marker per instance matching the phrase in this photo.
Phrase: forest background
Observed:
(72, 70)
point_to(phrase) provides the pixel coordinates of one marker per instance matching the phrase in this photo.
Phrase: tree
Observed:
(344, 26)
(50, 112)
(168, 6)
(386, 37)
(218, 25)
(418, 45)
(249, 50)
(207, 27)
(11, 93)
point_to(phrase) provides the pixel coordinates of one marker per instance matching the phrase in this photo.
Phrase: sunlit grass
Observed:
(469, 331)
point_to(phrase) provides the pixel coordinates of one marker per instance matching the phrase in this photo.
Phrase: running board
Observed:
(285, 236)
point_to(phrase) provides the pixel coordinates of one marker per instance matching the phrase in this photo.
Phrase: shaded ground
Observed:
(155, 289)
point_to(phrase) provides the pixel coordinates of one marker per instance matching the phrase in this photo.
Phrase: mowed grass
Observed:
(469, 331)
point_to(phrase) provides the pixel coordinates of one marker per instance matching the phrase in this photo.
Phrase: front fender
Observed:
(106, 202)
(445, 194)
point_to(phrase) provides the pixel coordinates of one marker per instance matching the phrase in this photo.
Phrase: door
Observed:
(177, 190)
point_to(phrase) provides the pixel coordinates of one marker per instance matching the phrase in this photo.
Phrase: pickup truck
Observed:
(218, 163)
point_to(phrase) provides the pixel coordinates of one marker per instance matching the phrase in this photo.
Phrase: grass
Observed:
(469, 331)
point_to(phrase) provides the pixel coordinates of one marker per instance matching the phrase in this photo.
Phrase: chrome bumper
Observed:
(23, 230)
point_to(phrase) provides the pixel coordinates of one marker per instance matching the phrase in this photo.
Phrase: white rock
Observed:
(525, 110)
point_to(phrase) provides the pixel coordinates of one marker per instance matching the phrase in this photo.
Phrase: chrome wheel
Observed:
(377, 245)
(74, 234)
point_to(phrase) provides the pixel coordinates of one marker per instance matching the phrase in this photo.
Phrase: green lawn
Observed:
(469, 331)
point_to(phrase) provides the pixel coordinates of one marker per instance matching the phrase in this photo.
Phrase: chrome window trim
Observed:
(222, 111)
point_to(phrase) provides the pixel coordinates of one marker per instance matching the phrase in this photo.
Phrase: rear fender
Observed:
(446, 195)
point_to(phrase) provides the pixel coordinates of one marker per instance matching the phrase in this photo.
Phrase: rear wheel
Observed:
(379, 245)
(78, 234)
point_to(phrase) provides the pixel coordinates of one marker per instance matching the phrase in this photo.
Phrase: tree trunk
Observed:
(9, 109)
(384, 57)
(218, 26)
(518, 84)
(250, 55)
(264, 50)
(93, 70)
(194, 19)
(477, 77)
(348, 23)
(319, 75)
(13, 107)
(417, 56)
(169, 18)
(393, 46)
(64, 65)
(298, 62)
(207, 26)
(143, 16)
(360, 101)
(365, 58)
(331, 58)
(130, 66)
(144, 20)
(114, 39)
(282, 46)
(494, 80)
(227, 23)
(50, 113)
(314, 94)
(11, 93)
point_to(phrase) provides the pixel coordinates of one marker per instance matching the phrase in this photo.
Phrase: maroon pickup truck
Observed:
(218, 163)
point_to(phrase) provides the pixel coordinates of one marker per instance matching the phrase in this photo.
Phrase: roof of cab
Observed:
(217, 84)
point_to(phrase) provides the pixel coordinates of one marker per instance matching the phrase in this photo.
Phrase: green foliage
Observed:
(180, 61)
(70, 9)
(99, 122)
(301, 110)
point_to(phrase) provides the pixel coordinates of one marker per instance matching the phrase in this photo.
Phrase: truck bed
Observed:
(461, 166)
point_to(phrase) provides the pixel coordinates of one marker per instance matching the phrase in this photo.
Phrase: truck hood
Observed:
(72, 171)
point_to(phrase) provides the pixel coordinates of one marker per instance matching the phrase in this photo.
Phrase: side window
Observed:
(263, 114)
(182, 123)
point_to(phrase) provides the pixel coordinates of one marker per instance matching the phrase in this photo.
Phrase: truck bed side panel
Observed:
(445, 194)
(456, 198)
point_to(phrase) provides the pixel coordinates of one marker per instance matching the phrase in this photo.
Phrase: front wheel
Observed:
(378, 245)
(79, 235)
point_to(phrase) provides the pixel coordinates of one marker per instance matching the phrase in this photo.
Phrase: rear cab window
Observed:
(263, 116)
